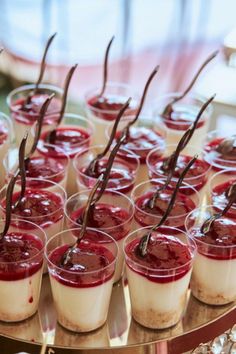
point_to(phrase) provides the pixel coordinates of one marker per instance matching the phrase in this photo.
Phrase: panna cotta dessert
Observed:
(6, 131)
(143, 137)
(213, 277)
(122, 175)
(40, 206)
(158, 282)
(21, 266)
(181, 116)
(197, 175)
(112, 214)
(72, 135)
(102, 110)
(220, 153)
(147, 214)
(25, 105)
(81, 285)
(40, 167)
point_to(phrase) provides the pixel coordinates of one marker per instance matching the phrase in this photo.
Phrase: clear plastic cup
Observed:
(158, 286)
(82, 130)
(54, 169)
(117, 93)
(219, 185)
(188, 107)
(198, 178)
(6, 136)
(144, 216)
(82, 296)
(213, 277)
(22, 119)
(119, 207)
(20, 270)
(146, 134)
(123, 173)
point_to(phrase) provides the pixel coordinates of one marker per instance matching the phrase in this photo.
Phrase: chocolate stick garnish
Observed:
(9, 192)
(52, 134)
(93, 163)
(206, 227)
(168, 108)
(142, 248)
(67, 254)
(105, 67)
(42, 69)
(170, 164)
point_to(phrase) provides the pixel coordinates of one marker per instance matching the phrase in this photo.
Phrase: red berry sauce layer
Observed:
(219, 198)
(28, 113)
(71, 140)
(196, 175)
(223, 234)
(3, 134)
(147, 216)
(111, 105)
(219, 161)
(122, 176)
(41, 207)
(181, 118)
(106, 216)
(141, 141)
(87, 257)
(19, 256)
(163, 254)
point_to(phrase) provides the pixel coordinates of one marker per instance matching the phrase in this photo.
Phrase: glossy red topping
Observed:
(18, 247)
(41, 207)
(220, 199)
(146, 216)
(121, 177)
(111, 105)
(141, 140)
(71, 140)
(223, 234)
(218, 160)
(3, 134)
(88, 257)
(196, 176)
(181, 117)
(163, 253)
(28, 113)
(105, 217)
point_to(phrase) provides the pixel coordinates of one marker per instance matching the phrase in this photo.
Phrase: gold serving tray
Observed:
(120, 334)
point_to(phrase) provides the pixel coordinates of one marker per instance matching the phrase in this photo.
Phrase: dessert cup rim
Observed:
(10, 128)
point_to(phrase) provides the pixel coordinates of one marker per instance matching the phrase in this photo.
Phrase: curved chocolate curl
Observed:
(92, 166)
(168, 109)
(143, 245)
(105, 67)
(66, 256)
(52, 135)
(171, 162)
(227, 145)
(9, 193)
(207, 225)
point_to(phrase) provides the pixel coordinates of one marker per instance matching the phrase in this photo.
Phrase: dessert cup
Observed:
(219, 185)
(102, 113)
(123, 172)
(21, 265)
(40, 167)
(6, 135)
(196, 177)
(213, 277)
(113, 214)
(158, 282)
(82, 288)
(25, 115)
(74, 133)
(145, 216)
(144, 136)
(180, 119)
